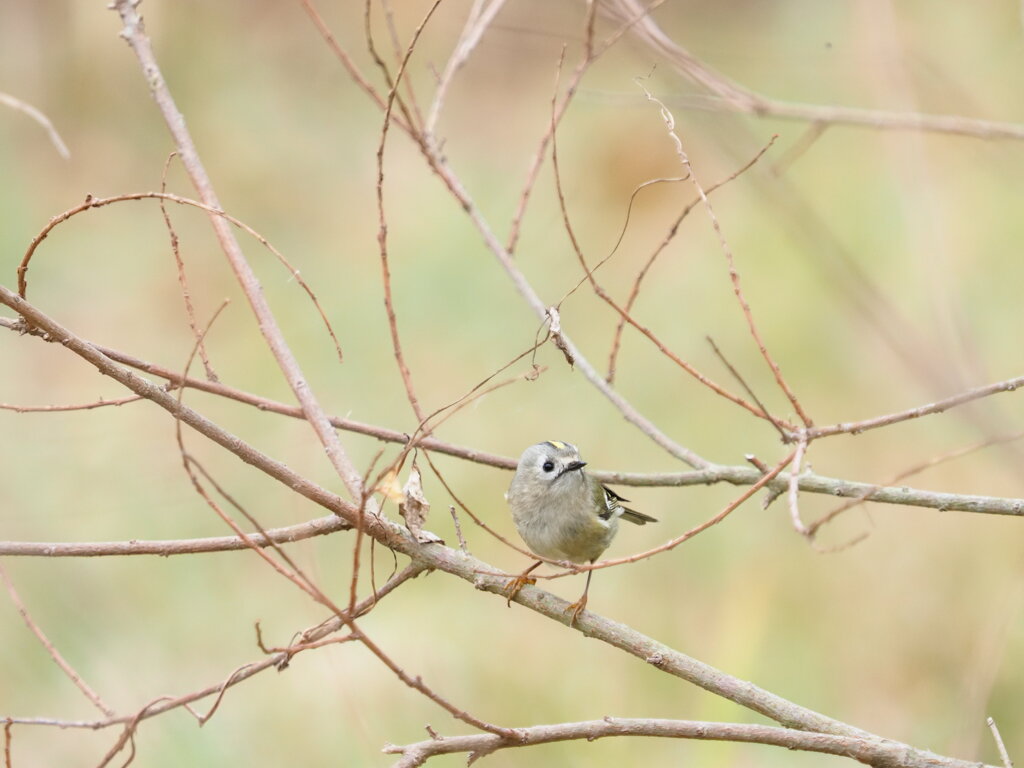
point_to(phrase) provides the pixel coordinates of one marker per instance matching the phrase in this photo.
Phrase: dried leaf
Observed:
(414, 508)
(390, 488)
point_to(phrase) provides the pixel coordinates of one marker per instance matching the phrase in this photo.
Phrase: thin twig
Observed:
(39, 117)
(734, 275)
(357, 545)
(746, 387)
(346, 60)
(437, 417)
(58, 659)
(634, 292)
(167, 703)
(101, 403)
(604, 296)
(804, 142)
(98, 202)
(292, 572)
(458, 529)
(1003, 754)
(794, 489)
(186, 294)
(472, 515)
(939, 406)
(382, 231)
(593, 53)
(415, 113)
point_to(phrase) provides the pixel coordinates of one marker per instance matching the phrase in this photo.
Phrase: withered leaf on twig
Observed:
(555, 327)
(414, 508)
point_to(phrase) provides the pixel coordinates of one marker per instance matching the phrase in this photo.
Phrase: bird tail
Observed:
(637, 517)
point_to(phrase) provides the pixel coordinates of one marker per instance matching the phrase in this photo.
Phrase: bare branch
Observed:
(909, 472)
(857, 427)
(318, 527)
(871, 751)
(134, 33)
(101, 403)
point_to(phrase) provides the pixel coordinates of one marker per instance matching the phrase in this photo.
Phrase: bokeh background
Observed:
(883, 268)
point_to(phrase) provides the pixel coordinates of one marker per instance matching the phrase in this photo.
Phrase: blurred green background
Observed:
(883, 268)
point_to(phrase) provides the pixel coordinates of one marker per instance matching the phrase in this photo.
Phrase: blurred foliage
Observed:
(915, 633)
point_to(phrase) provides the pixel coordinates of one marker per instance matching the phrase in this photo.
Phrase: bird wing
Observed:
(613, 501)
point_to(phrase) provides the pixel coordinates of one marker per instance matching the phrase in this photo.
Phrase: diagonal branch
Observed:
(134, 33)
(58, 659)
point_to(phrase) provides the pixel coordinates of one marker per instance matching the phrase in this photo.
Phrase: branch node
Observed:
(555, 326)
(657, 660)
(761, 466)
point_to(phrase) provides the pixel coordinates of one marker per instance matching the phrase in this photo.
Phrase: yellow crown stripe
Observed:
(557, 445)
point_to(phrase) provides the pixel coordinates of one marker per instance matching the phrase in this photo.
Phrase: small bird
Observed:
(562, 513)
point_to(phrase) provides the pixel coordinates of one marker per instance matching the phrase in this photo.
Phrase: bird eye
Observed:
(548, 466)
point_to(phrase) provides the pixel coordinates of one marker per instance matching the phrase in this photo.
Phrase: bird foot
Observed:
(516, 584)
(576, 609)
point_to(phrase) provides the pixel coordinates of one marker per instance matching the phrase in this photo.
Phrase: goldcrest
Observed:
(562, 513)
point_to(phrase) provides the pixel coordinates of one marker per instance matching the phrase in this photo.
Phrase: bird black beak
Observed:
(572, 466)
